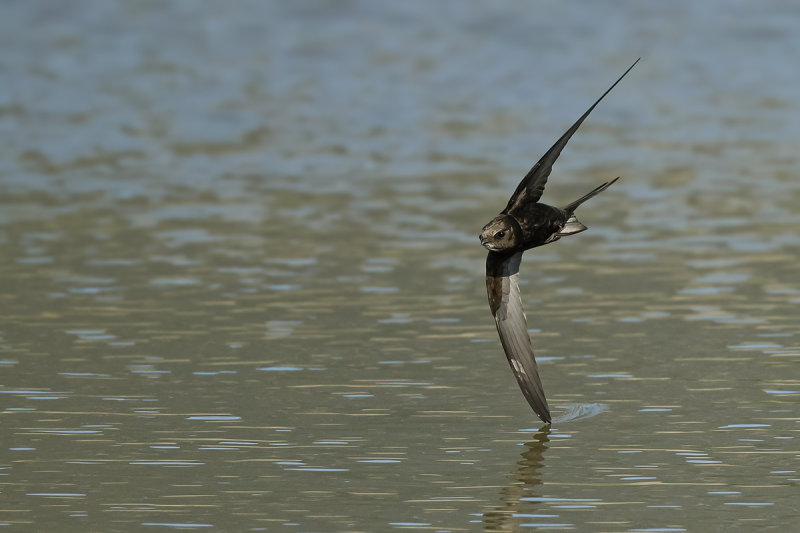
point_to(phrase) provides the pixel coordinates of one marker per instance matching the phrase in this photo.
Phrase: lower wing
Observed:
(505, 302)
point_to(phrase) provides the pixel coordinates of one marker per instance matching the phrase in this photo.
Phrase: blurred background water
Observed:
(241, 287)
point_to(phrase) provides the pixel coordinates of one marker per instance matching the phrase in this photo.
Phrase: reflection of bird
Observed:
(525, 224)
(523, 484)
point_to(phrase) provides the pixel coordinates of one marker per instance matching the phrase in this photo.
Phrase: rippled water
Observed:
(242, 289)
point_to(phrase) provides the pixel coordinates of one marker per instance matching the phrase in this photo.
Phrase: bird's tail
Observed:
(573, 225)
(570, 208)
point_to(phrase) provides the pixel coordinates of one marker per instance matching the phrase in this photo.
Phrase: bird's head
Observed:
(499, 234)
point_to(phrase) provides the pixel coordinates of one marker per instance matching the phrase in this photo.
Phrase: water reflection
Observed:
(526, 481)
(241, 287)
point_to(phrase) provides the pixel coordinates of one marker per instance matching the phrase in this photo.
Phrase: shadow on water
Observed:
(524, 484)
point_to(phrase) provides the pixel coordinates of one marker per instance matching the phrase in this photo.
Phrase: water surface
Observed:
(242, 289)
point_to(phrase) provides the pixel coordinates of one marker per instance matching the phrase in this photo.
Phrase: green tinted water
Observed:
(242, 287)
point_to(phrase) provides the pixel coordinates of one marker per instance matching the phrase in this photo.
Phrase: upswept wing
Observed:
(531, 187)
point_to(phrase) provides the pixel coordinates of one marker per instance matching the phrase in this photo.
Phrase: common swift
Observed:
(524, 224)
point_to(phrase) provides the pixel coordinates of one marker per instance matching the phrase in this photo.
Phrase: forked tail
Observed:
(573, 225)
(570, 208)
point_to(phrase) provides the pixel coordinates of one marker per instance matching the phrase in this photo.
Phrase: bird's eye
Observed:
(500, 234)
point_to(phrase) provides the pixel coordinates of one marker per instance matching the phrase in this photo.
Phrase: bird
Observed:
(526, 223)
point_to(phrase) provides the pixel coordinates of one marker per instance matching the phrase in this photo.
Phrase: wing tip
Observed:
(544, 413)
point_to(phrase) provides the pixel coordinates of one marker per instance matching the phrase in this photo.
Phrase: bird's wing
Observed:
(531, 187)
(506, 305)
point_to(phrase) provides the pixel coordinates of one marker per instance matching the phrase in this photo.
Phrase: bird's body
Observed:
(526, 223)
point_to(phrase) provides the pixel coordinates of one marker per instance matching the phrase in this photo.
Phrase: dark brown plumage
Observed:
(524, 224)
